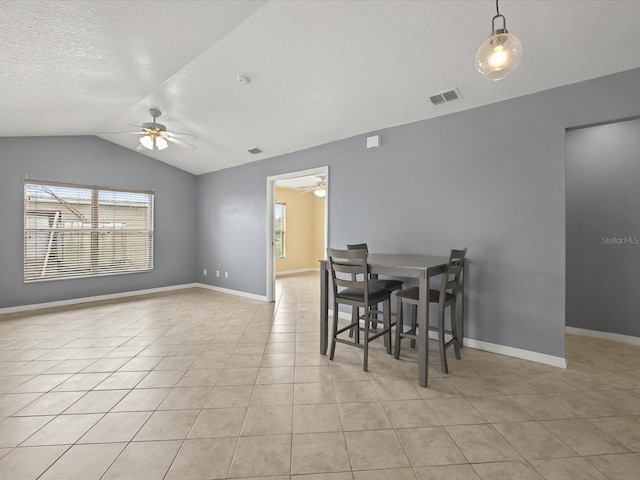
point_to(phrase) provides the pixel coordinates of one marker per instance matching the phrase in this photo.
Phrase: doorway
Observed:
(603, 231)
(283, 248)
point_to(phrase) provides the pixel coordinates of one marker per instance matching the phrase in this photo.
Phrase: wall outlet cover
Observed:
(373, 141)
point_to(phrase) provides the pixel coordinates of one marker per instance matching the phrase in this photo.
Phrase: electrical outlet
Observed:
(217, 273)
(226, 274)
(205, 272)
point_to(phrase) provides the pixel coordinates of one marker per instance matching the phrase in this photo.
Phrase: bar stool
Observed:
(386, 283)
(350, 272)
(442, 298)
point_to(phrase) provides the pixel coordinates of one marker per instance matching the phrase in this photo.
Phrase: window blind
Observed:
(79, 231)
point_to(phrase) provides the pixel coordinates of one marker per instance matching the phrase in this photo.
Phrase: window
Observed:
(280, 227)
(80, 231)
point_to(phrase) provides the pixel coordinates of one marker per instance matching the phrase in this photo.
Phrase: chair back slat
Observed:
(451, 276)
(353, 268)
(358, 246)
(341, 282)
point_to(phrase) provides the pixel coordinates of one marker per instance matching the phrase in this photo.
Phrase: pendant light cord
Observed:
(497, 8)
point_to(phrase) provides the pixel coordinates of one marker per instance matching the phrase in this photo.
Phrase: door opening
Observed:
(295, 235)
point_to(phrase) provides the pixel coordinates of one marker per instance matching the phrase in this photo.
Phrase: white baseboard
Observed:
(301, 270)
(239, 293)
(614, 337)
(516, 352)
(134, 293)
(96, 298)
(495, 348)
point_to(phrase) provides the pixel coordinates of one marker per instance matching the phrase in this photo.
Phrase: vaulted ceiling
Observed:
(319, 70)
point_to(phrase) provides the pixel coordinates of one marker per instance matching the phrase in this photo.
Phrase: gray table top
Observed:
(402, 265)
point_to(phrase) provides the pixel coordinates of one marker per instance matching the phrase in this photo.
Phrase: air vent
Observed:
(255, 151)
(437, 99)
(445, 97)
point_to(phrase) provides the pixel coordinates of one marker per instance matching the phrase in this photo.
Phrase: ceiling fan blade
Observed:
(123, 133)
(181, 133)
(134, 125)
(140, 147)
(182, 143)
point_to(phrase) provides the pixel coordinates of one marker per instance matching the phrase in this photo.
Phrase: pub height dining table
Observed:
(422, 267)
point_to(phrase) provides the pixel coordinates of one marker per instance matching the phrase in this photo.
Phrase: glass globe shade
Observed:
(320, 192)
(161, 143)
(499, 55)
(147, 142)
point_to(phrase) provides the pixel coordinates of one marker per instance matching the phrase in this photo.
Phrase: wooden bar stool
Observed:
(387, 283)
(351, 286)
(441, 299)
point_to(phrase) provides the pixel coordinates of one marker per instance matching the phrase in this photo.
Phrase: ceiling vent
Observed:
(444, 97)
(255, 151)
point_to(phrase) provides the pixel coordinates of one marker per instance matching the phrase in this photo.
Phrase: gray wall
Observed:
(603, 228)
(93, 161)
(491, 179)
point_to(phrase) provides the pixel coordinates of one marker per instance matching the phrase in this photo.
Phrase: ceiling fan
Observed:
(319, 190)
(154, 135)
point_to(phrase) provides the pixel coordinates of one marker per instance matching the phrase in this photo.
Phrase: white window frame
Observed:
(67, 238)
(283, 230)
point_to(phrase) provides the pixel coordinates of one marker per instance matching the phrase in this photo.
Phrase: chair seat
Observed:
(385, 283)
(376, 295)
(413, 294)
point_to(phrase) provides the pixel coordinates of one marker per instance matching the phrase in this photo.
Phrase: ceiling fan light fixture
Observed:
(161, 143)
(146, 141)
(153, 142)
(154, 135)
(499, 54)
(321, 189)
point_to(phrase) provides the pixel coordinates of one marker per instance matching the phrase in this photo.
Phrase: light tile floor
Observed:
(196, 384)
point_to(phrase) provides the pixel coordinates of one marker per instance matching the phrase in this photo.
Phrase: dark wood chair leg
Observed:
(335, 331)
(414, 323)
(441, 343)
(354, 315)
(386, 313)
(367, 320)
(374, 318)
(399, 326)
(454, 331)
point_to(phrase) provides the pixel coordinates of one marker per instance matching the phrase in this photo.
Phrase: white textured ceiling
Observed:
(320, 70)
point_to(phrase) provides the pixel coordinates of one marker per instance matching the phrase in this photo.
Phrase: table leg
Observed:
(423, 337)
(324, 309)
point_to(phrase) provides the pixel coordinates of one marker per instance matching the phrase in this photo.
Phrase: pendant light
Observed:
(500, 54)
